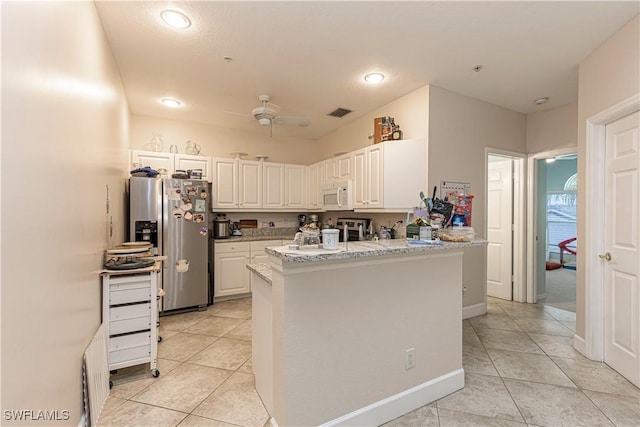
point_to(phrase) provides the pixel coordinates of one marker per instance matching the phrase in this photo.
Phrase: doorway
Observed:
(612, 297)
(555, 209)
(505, 231)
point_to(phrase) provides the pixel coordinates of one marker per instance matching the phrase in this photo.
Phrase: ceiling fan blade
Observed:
(300, 121)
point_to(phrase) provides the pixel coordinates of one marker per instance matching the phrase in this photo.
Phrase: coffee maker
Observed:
(302, 220)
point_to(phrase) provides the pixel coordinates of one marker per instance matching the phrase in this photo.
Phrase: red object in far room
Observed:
(551, 265)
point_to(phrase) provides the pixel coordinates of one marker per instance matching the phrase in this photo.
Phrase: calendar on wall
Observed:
(451, 190)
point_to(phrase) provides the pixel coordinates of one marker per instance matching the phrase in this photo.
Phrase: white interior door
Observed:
(622, 256)
(499, 228)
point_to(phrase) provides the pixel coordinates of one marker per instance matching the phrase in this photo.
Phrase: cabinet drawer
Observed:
(226, 247)
(129, 318)
(129, 325)
(129, 354)
(259, 246)
(120, 347)
(124, 293)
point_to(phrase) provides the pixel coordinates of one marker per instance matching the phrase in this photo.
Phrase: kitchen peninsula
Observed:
(360, 335)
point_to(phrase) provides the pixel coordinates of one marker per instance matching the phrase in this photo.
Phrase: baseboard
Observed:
(580, 345)
(474, 310)
(394, 406)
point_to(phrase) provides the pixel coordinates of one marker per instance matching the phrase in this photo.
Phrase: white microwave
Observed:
(337, 196)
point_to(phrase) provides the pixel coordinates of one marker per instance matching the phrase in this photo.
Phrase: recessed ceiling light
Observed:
(541, 101)
(175, 19)
(171, 103)
(374, 77)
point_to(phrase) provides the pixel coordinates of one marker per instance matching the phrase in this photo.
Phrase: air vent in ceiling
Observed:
(339, 112)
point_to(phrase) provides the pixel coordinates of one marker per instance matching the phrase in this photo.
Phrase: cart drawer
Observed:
(130, 311)
(129, 341)
(129, 347)
(129, 354)
(129, 325)
(123, 293)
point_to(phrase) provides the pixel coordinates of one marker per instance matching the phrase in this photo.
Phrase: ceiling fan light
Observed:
(374, 77)
(264, 121)
(175, 19)
(171, 103)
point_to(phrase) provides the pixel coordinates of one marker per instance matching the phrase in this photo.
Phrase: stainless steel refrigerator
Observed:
(172, 215)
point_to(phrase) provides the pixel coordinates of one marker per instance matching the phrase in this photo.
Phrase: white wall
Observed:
(552, 129)
(220, 142)
(411, 113)
(460, 128)
(608, 76)
(64, 141)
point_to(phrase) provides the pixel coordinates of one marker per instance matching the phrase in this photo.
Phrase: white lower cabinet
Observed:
(231, 276)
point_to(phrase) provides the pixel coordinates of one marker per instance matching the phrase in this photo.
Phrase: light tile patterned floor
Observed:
(520, 369)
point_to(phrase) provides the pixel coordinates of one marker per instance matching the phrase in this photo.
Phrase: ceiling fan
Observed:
(267, 115)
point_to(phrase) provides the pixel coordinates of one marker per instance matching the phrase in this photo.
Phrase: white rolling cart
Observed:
(130, 314)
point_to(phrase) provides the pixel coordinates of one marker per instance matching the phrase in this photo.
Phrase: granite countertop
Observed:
(255, 238)
(262, 269)
(366, 249)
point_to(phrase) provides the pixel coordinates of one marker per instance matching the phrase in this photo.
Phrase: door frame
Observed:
(519, 253)
(592, 344)
(532, 219)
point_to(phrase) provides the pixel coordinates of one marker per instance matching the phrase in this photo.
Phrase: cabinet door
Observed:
(375, 178)
(331, 172)
(295, 186)
(225, 184)
(231, 276)
(314, 200)
(154, 160)
(187, 162)
(359, 178)
(345, 170)
(250, 184)
(273, 185)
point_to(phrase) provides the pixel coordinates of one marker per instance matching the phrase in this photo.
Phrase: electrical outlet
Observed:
(410, 358)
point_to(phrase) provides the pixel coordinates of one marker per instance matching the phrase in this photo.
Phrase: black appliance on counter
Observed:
(355, 228)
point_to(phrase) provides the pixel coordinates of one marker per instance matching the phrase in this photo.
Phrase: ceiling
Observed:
(311, 56)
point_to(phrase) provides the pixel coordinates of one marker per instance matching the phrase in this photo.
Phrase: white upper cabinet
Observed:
(390, 176)
(405, 173)
(375, 176)
(273, 185)
(295, 186)
(330, 170)
(368, 177)
(187, 162)
(345, 166)
(250, 184)
(284, 186)
(314, 198)
(337, 168)
(155, 160)
(172, 162)
(225, 184)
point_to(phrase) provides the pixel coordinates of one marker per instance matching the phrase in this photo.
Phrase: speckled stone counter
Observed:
(366, 249)
(256, 238)
(262, 269)
(258, 234)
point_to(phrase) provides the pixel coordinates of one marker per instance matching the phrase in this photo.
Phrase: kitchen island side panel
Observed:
(342, 328)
